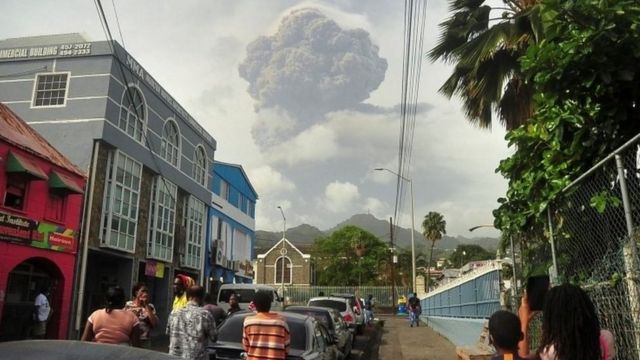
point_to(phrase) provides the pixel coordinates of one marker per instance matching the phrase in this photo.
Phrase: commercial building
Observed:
(148, 161)
(40, 207)
(232, 227)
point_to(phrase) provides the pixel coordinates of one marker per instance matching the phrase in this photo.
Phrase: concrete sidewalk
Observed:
(401, 342)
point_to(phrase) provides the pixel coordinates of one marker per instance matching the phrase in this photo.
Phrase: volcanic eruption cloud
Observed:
(308, 68)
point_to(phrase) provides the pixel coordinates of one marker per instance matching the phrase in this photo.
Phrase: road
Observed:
(401, 342)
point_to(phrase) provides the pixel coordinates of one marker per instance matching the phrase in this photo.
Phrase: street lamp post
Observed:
(283, 251)
(514, 281)
(413, 243)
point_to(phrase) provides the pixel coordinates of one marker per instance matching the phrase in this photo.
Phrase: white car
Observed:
(343, 305)
(245, 294)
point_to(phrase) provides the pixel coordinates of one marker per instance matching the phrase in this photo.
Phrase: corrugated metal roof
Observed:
(15, 131)
(42, 40)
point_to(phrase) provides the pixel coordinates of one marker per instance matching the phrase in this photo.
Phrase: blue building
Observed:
(232, 237)
(148, 162)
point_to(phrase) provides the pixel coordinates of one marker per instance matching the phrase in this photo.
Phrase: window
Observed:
(171, 143)
(120, 209)
(162, 223)
(195, 233)
(224, 190)
(55, 206)
(16, 193)
(200, 166)
(251, 211)
(132, 113)
(287, 271)
(51, 89)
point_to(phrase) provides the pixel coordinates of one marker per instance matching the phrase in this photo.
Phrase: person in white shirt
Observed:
(42, 313)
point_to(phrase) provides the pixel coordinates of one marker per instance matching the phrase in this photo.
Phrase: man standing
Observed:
(180, 284)
(42, 313)
(191, 327)
(266, 334)
(368, 309)
(233, 305)
(414, 310)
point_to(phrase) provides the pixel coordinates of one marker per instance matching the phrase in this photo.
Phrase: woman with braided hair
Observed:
(180, 285)
(570, 327)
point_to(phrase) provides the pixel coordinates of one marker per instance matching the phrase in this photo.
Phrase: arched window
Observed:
(287, 271)
(171, 142)
(200, 166)
(132, 113)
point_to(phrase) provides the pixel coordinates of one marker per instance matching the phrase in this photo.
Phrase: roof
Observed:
(18, 133)
(246, 177)
(277, 245)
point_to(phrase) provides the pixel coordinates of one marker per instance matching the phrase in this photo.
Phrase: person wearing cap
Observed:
(180, 284)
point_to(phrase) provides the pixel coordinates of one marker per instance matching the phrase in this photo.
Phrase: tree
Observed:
(465, 253)
(433, 227)
(587, 87)
(350, 256)
(487, 75)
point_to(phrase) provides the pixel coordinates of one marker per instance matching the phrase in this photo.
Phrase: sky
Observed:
(304, 95)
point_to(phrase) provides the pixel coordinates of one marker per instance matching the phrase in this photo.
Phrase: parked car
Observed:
(332, 320)
(75, 350)
(245, 293)
(346, 308)
(359, 310)
(309, 339)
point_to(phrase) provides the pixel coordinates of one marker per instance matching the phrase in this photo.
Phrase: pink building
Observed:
(40, 210)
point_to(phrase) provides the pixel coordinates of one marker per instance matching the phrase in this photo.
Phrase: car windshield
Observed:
(333, 304)
(244, 295)
(231, 331)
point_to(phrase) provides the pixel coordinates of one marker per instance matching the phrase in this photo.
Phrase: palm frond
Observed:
(516, 105)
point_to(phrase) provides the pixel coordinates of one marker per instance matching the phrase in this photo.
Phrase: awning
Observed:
(63, 182)
(19, 164)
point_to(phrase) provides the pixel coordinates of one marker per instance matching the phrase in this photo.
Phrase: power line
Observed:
(113, 3)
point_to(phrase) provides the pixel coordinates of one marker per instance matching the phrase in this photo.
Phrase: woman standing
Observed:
(112, 325)
(144, 311)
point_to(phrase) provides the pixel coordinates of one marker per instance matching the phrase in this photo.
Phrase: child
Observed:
(504, 334)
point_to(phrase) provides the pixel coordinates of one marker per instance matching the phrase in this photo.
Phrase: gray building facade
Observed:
(148, 161)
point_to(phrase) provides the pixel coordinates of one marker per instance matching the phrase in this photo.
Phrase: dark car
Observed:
(309, 340)
(75, 350)
(332, 320)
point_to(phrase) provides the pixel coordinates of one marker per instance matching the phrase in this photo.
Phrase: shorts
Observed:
(40, 328)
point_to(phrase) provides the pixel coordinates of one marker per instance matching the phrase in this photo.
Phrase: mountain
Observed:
(304, 235)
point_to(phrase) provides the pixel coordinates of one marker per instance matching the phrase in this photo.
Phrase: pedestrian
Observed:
(234, 306)
(265, 335)
(504, 335)
(368, 309)
(180, 284)
(216, 311)
(42, 313)
(414, 310)
(191, 328)
(113, 325)
(570, 327)
(144, 311)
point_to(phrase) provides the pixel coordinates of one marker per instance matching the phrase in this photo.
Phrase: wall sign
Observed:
(45, 51)
(41, 235)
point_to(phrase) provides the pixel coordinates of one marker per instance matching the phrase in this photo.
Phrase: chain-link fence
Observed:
(595, 247)
(382, 295)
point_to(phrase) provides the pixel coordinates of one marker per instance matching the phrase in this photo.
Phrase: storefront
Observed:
(40, 208)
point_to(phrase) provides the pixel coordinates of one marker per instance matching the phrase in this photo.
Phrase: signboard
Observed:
(154, 268)
(69, 50)
(41, 235)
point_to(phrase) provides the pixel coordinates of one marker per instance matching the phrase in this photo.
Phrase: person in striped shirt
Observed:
(266, 334)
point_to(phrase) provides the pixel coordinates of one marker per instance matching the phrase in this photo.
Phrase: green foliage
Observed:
(485, 49)
(587, 92)
(433, 227)
(337, 262)
(465, 253)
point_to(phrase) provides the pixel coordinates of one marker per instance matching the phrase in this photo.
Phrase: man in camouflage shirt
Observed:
(191, 328)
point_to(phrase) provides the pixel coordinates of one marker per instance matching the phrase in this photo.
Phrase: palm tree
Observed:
(485, 50)
(433, 227)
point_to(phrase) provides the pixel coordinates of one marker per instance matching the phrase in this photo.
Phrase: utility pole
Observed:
(393, 268)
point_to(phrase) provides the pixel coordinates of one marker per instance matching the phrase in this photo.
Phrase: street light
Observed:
(514, 281)
(413, 243)
(283, 251)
